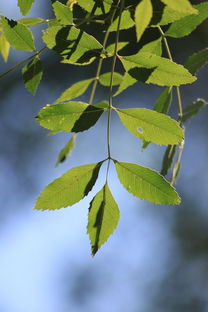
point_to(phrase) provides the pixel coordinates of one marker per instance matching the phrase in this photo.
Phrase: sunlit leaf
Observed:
(154, 47)
(181, 6)
(105, 79)
(69, 116)
(66, 151)
(69, 189)
(32, 75)
(126, 22)
(25, 6)
(74, 91)
(63, 13)
(18, 35)
(103, 218)
(4, 47)
(110, 49)
(196, 61)
(143, 15)
(151, 125)
(146, 184)
(31, 21)
(164, 15)
(96, 7)
(186, 25)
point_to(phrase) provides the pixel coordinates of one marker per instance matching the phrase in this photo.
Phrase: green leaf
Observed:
(32, 74)
(143, 15)
(31, 21)
(168, 159)
(25, 6)
(196, 61)
(181, 6)
(66, 151)
(96, 7)
(154, 47)
(193, 109)
(18, 35)
(4, 47)
(163, 72)
(69, 116)
(103, 218)
(105, 79)
(186, 25)
(69, 189)
(126, 22)
(162, 106)
(74, 45)
(146, 184)
(74, 91)
(63, 13)
(111, 48)
(168, 16)
(151, 126)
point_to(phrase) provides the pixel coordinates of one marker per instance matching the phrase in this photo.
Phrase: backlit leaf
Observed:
(154, 47)
(165, 15)
(105, 79)
(181, 6)
(66, 151)
(25, 6)
(69, 116)
(68, 189)
(126, 22)
(74, 91)
(32, 75)
(18, 35)
(151, 126)
(110, 49)
(143, 15)
(74, 45)
(146, 184)
(4, 47)
(196, 61)
(96, 7)
(63, 13)
(31, 21)
(186, 25)
(103, 218)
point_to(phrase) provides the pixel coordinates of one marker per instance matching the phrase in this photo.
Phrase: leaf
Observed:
(181, 6)
(162, 106)
(103, 218)
(186, 25)
(168, 159)
(18, 35)
(126, 22)
(154, 47)
(151, 126)
(193, 109)
(74, 91)
(66, 151)
(63, 13)
(196, 61)
(74, 45)
(105, 79)
(163, 72)
(69, 116)
(25, 6)
(96, 7)
(32, 74)
(31, 21)
(143, 15)
(4, 47)
(68, 189)
(146, 184)
(110, 49)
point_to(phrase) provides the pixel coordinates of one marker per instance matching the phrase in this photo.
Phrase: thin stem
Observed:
(111, 83)
(100, 63)
(22, 62)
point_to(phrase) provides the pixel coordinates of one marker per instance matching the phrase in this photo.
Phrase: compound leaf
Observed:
(186, 25)
(151, 126)
(143, 15)
(66, 151)
(103, 218)
(74, 91)
(32, 74)
(68, 189)
(146, 184)
(18, 35)
(69, 116)
(25, 6)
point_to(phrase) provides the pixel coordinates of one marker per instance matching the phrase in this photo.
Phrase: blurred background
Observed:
(157, 259)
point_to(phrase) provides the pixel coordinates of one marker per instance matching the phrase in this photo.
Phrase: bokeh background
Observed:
(157, 260)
